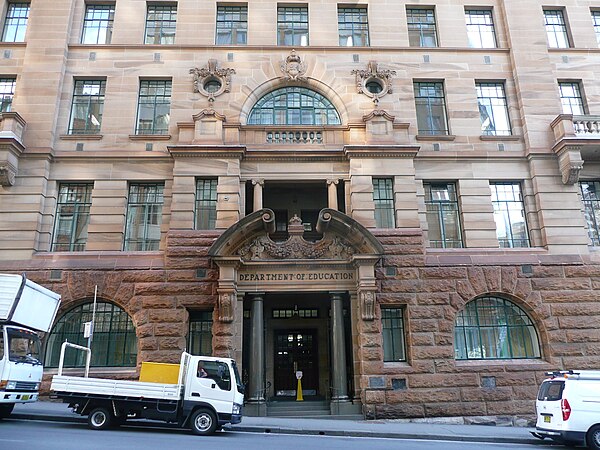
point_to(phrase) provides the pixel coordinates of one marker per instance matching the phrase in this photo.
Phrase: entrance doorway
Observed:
(295, 350)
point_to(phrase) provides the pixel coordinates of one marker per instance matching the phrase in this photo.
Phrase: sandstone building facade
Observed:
(398, 199)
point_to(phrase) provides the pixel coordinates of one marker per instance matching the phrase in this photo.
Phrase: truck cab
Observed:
(20, 367)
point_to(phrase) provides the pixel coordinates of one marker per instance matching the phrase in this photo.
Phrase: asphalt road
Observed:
(39, 435)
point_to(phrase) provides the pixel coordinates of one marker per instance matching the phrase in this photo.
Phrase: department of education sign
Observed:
(297, 278)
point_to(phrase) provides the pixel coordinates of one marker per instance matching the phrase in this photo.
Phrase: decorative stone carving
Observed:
(367, 305)
(570, 164)
(293, 68)
(374, 83)
(7, 174)
(211, 81)
(226, 302)
(263, 248)
(208, 112)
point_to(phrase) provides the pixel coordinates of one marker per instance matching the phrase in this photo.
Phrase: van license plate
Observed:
(547, 419)
(25, 397)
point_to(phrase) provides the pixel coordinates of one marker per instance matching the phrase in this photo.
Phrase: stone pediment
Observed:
(263, 248)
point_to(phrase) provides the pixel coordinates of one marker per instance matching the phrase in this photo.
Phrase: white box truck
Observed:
(568, 408)
(208, 395)
(26, 308)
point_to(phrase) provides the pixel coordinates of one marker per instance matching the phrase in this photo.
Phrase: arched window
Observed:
(114, 341)
(494, 328)
(293, 106)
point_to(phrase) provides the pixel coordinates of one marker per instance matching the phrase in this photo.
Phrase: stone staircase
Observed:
(291, 408)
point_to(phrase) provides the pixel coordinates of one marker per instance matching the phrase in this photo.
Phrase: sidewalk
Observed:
(60, 412)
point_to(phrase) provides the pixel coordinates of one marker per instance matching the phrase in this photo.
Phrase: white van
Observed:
(568, 408)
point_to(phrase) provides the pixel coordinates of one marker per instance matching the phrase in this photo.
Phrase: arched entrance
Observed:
(294, 305)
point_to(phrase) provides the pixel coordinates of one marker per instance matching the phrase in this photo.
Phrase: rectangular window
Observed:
(431, 108)
(232, 25)
(144, 217)
(200, 335)
(7, 92)
(596, 22)
(98, 24)
(493, 109)
(154, 107)
(15, 22)
(353, 26)
(422, 30)
(392, 324)
(206, 204)
(443, 217)
(509, 215)
(72, 217)
(480, 28)
(292, 25)
(571, 98)
(590, 195)
(86, 110)
(383, 197)
(556, 29)
(161, 21)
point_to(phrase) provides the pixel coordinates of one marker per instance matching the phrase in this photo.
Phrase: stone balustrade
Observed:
(586, 126)
(294, 137)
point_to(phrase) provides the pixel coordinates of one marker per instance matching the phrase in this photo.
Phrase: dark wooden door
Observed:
(296, 350)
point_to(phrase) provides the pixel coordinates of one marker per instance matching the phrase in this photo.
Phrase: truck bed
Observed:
(114, 388)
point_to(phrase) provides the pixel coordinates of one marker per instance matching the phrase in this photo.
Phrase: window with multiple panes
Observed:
(392, 324)
(114, 343)
(493, 109)
(571, 98)
(154, 106)
(494, 328)
(98, 24)
(161, 21)
(292, 25)
(556, 28)
(353, 26)
(480, 28)
(144, 217)
(206, 203)
(15, 22)
(293, 106)
(383, 198)
(430, 103)
(509, 215)
(443, 219)
(200, 334)
(422, 30)
(7, 92)
(590, 195)
(87, 106)
(596, 22)
(232, 25)
(72, 217)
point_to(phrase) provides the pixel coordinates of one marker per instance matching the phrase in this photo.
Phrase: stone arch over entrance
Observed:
(339, 267)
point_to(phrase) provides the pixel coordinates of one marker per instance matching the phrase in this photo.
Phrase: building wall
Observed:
(554, 280)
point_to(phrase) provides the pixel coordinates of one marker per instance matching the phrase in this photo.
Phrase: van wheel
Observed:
(99, 419)
(204, 422)
(6, 409)
(593, 437)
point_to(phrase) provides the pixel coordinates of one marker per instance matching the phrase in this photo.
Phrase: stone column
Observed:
(256, 362)
(338, 348)
(257, 202)
(332, 200)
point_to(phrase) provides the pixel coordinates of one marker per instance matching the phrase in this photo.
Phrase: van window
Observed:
(217, 371)
(551, 391)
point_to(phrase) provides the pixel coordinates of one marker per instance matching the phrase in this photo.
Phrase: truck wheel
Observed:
(204, 422)
(99, 419)
(6, 409)
(593, 437)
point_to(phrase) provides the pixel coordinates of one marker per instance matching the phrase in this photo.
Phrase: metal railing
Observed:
(61, 361)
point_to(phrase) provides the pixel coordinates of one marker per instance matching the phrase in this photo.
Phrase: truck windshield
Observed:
(551, 391)
(23, 346)
(238, 380)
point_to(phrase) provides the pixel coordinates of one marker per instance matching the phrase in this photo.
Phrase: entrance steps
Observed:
(291, 408)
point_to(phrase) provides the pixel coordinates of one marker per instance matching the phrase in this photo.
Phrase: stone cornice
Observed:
(381, 151)
(207, 151)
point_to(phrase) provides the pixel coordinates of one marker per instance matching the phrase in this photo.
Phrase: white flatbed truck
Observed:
(26, 308)
(208, 395)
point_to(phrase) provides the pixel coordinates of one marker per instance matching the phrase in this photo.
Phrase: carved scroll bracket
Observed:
(367, 304)
(570, 163)
(227, 301)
